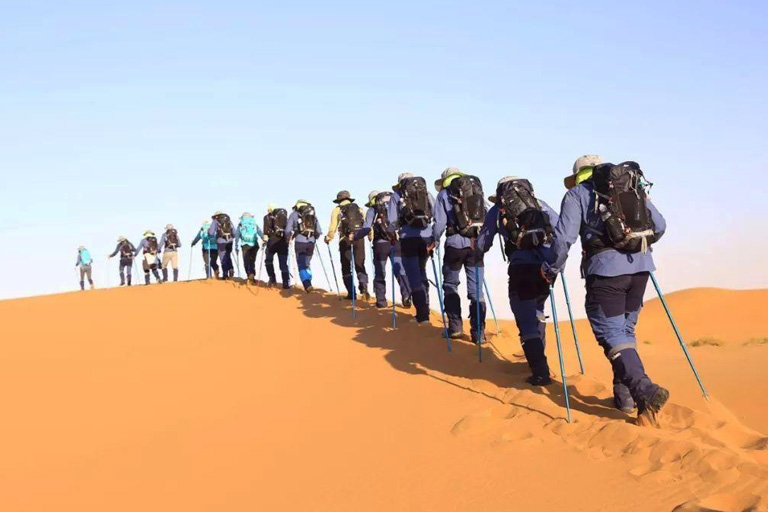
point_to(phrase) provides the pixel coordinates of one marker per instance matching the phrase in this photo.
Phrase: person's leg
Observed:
(381, 253)
(175, 265)
(269, 261)
(122, 272)
(360, 271)
(412, 248)
(304, 251)
(345, 255)
(88, 273)
(82, 278)
(475, 269)
(453, 260)
(249, 261)
(155, 271)
(282, 259)
(128, 270)
(399, 270)
(145, 268)
(206, 264)
(423, 257)
(528, 293)
(166, 261)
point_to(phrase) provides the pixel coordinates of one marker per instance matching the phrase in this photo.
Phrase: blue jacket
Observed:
(444, 217)
(578, 218)
(293, 225)
(209, 241)
(142, 245)
(519, 256)
(161, 244)
(393, 212)
(238, 239)
(117, 248)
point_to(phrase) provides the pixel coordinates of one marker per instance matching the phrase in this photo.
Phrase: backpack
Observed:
(522, 217)
(381, 221)
(277, 221)
(85, 257)
(248, 231)
(621, 201)
(225, 228)
(151, 246)
(415, 209)
(171, 239)
(307, 220)
(126, 249)
(466, 193)
(350, 219)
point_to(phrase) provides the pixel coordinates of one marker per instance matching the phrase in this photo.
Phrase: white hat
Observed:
(371, 196)
(581, 163)
(505, 179)
(450, 171)
(400, 178)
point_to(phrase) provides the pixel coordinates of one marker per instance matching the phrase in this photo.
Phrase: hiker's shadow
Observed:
(423, 350)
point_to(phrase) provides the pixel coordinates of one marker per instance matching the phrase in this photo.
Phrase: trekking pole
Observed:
(559, 350)
(237, 261)
(490, 303)
(394, 311)
(333, 267)
(442, 309)
(679, 337)
(477, 319)
(261, 264)
(352, 279)
(325, 272)
(439, 282)
(573, 325)
(296, 266)
(210, 271)
(189, 272)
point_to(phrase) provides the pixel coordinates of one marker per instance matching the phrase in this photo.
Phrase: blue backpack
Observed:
(85, 257)
(248, 231)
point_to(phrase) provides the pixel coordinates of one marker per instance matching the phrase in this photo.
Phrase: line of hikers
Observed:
(607, 206)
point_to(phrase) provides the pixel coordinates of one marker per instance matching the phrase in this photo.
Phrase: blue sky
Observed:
(121, 117)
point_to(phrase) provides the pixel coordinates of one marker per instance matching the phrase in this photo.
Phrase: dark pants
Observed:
(225, 257)
(86, 271)
(382, 252)
(613, 306)
(472, 262)
(415, 263)
(249, 259)
(126, 267)
(147, 268)
(277, 246)
(304, 253)
(528, 294)
(210, 258)
(345, 252)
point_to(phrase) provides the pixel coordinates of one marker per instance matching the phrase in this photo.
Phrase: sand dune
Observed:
(216, 396)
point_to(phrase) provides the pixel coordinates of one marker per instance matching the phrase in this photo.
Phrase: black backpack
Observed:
(225, 228)
(468, 201)
(415, 210)
(278, 221)
(171, 239)
(151, 246)
(381, 222)
(621, 197)
(522, 217)
(126, 249)
(307, 220)
(350, 219)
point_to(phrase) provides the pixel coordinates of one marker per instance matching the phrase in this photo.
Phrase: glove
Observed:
(265, 238)
(547, 274)
(431, 248)
(327, 241)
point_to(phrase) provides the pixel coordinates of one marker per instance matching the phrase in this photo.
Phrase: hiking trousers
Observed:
(345, 253)
(85, 271)
(454, 261)
(415, 255)
(126, 268)
(304, 253)
(382, 251)
(277, 246)
(249, 259)
(528, 294)
(210, 260)
(147, 267)
(225, 257)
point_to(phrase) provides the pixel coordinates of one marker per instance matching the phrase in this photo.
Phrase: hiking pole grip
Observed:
(573, 324)
(679, 336)
(560, 351)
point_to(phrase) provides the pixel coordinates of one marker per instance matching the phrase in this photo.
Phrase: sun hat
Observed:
(582, 169)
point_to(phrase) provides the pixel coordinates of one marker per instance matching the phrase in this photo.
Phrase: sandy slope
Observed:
(209, 396)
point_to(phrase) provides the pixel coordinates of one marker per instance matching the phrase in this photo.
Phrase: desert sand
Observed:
(214, 396)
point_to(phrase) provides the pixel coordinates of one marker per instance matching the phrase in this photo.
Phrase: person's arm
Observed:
(440, 216)
(566, 232)
(79, 259)
(333, 226)
(393, 213)
(197, 238)
(178, 240)
(139, 247)
(290, 225)
(659, 223)
(214, 229)
(259, 232)
(117, 248)
(161, 243)
(489, 229)
(370, 217)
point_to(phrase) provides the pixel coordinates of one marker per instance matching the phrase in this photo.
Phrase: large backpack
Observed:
(85, 257)
(468, 203)
(248, 232)
(621, 197)
(126, 249)
(225, 228)
(151, 245)
(522, 217)
(278, 221)
(350, 219)
(415, 209)
(171, 239)
(307, 220)
(381, 221)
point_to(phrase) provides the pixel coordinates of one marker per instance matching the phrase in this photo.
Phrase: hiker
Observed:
(608, 208)
(347, 218)
(248, 234)
(85, 262)
(410, 215)
(149, 249)
(275, 224)
(460, 213)
(224, 231)
(525, 224)
(376, 228)
(126, 250)
(210, 250)
(304, 229)
(169, 244)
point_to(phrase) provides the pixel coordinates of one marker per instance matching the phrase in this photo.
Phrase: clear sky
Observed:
(117, 117)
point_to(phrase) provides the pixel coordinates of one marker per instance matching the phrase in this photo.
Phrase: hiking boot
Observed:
(407, 303)
(483, 339)
(348, 297)
(648, 408)
(379, 305)
(455, 335)
(418, 323)
(622, 399)
(539, 380)
(366, 296)
(309, 289)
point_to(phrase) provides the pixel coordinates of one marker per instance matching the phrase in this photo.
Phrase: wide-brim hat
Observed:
(121, 239)
(506, 179)
(343, 196)
(82, 247)
(580, 164)
(168, 226)
(450, 171)
(149, 233)
(371, 197)
(400, 178)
